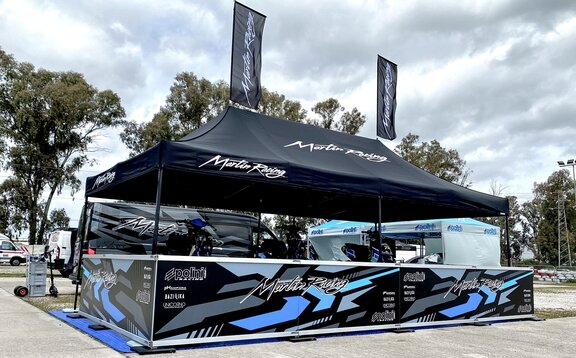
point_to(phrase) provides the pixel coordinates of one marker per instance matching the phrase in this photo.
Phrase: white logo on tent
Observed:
(334, 148)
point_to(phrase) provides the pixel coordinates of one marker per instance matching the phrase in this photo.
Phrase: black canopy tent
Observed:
(248, 161)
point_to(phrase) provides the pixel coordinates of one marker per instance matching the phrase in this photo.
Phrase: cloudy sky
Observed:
(494, 80)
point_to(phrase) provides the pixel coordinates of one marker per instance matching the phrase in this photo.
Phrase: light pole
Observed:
(570, 163)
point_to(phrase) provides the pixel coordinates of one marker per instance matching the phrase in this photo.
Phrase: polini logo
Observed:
(349, 230)
(425, 227)
(457, 228)
(527, 308)
(415, 276)
(189, 274)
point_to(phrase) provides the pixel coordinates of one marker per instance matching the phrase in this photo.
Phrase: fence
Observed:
(549, 273)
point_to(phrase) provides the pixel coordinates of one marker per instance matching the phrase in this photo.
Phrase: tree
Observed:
(531, 213)
(435, 159)
(12, 219)
(140, 136)
(276, 105)
(281, 222)
(328, 110)
(191, 103)
(514, 234)
(351, 122)
(542, 220)
(49, 121)
(58, 219)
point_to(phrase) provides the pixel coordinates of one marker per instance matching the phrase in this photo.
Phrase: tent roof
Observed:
(252, 162)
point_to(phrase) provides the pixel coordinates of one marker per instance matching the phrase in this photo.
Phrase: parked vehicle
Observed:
(127, 228)
(405, 252)
(60, 245)
(9, 253)
(428, 259)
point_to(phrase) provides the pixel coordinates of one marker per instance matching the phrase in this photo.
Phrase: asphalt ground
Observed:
(26, 331)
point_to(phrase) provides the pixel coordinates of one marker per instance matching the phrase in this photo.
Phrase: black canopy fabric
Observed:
(248, 161)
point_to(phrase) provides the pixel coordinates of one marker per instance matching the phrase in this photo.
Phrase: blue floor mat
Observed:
(120, 343)
(106, 336)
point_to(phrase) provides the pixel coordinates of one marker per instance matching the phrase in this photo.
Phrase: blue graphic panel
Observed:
(326, 301)
(119, 292)
(292, 309)
(464, 293)
(272, 298)
(474, 300)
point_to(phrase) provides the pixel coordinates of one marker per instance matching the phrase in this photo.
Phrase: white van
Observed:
(61, 246)
(9, 253)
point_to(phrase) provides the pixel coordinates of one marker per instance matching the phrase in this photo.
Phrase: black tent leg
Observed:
(508, 255)
(83, 231)
(157, 213)
(379, 229)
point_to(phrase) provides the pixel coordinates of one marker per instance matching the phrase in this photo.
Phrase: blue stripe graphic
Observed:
(367, 280)
(514, 281)
(293, 307)
(491, 295)
(110, 308)
(474, 300)
(325, 299)
(97, 290)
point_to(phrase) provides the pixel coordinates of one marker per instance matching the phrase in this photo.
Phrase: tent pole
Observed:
(379, 229)
(157, 213)
(421, 254)
(508, 255)
(259, 235)
(83, 232)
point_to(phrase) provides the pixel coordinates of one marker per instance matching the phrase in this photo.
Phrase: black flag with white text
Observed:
(386, 102)
(246, 56)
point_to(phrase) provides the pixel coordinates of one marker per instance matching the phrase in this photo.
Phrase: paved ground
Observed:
(26, 331)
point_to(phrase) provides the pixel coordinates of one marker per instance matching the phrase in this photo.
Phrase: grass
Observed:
(12, 274)
(551, 314)
(556, 288)
(50, 303)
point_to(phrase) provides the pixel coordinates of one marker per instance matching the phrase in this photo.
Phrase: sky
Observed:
(495, 80)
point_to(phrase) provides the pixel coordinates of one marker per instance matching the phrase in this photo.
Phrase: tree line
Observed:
(49, 122)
